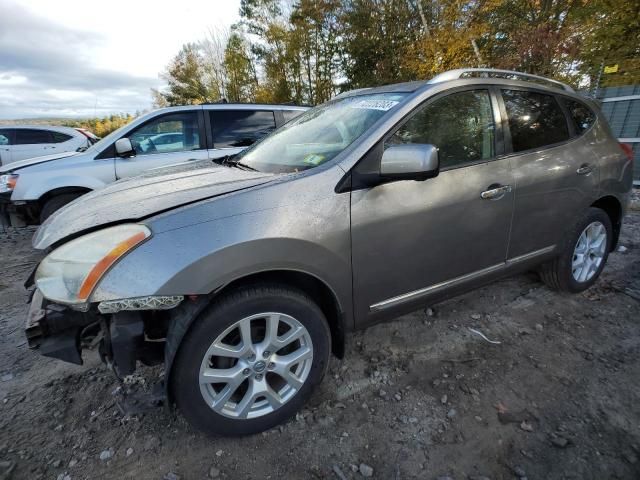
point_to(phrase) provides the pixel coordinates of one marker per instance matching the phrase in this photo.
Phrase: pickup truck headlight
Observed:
(69, 274)
(8, 182)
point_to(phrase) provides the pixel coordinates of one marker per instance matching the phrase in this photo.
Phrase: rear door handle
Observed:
(585, 169)
(495, 192)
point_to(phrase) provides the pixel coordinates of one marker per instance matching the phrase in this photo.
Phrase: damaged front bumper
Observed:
(124, 337)
(17, 214)
(55, 330)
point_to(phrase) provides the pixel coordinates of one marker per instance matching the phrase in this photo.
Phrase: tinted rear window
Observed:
(59, 137)
(583, 117)
(25, 136)
(240, 128)
(290, 114)
(535, 120)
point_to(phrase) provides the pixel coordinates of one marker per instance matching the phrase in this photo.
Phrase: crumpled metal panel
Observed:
(140, 303)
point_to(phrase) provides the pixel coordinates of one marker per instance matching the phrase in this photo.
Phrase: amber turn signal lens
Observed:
(103, 265)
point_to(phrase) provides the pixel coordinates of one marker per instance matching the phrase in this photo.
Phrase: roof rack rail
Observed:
(495, 73)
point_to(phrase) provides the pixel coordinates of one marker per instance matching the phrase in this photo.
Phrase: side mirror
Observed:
(409, 162)
(124, 148)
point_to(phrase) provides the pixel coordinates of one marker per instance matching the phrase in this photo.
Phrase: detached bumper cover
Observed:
(54, 330)
(15, 215)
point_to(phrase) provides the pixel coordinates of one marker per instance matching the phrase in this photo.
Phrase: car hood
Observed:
(143, 196)
(12, 166)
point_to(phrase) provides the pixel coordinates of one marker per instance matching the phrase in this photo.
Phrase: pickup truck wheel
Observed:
(583, 256)
(56, 203)
(251, 360)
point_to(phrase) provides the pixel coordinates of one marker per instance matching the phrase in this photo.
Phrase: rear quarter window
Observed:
(59, 137)
(583, 117)
(290, 114)
(535, 119)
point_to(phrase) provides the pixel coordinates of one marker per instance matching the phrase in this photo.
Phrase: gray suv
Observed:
(243, 278)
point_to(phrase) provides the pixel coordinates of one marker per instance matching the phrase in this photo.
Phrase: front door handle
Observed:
(585, 169)
(495, 192)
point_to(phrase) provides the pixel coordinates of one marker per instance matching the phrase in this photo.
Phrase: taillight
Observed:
(626, 148)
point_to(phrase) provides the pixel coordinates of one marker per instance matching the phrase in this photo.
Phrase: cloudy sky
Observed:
(69, 58)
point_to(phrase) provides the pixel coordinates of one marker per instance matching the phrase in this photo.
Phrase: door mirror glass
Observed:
(124, 147)
(409, 162)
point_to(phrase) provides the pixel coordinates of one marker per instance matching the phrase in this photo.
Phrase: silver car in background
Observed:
(243, 278)
(32, 189)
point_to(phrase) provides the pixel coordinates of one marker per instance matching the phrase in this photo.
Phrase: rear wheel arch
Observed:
(613, 208)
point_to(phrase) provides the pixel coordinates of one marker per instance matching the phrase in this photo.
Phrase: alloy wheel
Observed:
(256, 365)
(589, 252)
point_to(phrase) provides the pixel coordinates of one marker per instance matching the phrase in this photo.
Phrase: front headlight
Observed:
(70, 273)
(8, 182)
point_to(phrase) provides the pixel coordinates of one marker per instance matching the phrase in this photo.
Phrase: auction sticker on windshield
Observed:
(383, 105)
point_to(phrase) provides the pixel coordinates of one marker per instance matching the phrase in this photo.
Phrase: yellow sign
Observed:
(611, 69)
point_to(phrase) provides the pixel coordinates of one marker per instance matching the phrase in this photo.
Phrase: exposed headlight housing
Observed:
(8, 182)
(69, 274)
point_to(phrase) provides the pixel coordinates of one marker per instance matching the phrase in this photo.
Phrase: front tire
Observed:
(251, 360)
(584, 254)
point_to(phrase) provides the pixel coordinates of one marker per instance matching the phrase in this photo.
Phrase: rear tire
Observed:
(250, 395)
(56, 203)
(583, 254)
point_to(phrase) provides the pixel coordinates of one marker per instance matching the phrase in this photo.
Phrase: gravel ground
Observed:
(420, 397)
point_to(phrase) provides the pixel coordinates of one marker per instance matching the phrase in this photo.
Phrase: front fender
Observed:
(312, 238)
(35, 190)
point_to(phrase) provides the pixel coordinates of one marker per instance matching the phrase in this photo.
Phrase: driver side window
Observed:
(175, 132)
(461, 126)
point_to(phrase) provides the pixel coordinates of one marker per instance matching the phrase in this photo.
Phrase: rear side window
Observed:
(582, 116)
(59, 137)
(535, 120)
(26, 136)
(240, 128)
(5, 137)
(290, 114)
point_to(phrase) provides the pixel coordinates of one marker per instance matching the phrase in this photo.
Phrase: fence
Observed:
(621, 106)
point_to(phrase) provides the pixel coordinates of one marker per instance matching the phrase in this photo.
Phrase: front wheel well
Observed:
(61, 191)
(612, 207)
(312, 286)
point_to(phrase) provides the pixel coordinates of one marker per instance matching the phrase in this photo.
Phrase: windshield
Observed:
(319, 134)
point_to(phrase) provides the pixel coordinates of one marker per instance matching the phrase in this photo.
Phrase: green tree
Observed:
(185, 77)
(376, 34)
(240, 72)
(611, 37)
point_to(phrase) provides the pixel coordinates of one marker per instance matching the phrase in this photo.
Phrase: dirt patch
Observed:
(420, 397)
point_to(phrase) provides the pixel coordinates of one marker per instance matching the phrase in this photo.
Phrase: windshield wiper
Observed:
(243, 166)
(228, 160)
